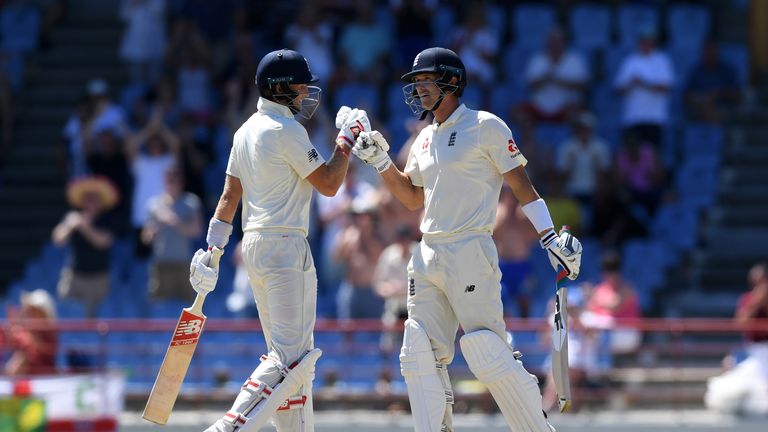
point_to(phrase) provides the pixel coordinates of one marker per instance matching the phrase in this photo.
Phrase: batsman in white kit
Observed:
(455, 170)
(273, 167)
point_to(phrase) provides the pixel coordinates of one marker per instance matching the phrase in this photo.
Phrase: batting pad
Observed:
(425, 387)
(303, 372)
(515, 391)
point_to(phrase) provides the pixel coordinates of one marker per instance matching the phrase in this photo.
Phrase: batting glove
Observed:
(372, 148)
(563, 250)
(350, 123)
(202, 277)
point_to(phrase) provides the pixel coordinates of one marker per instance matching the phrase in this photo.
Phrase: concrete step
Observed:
(32, 155)
(37, 175)
(65, 57)
(77, 76)
(33, 198)
(743, 156)
(751, 216)
(97, 33)
(742, 195)
(743, 175)
(65, 96)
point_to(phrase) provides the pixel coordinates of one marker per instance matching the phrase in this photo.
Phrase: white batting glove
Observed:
(372, 148)
(563, 250)
(202, 277)
(351, 121)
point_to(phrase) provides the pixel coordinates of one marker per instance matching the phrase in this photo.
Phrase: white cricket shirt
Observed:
(460, 164)
(272, 156)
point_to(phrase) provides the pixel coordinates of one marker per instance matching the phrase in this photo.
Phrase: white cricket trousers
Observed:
(455, 280)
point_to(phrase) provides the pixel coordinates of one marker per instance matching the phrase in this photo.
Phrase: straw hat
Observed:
(102, 186)
(39, 299)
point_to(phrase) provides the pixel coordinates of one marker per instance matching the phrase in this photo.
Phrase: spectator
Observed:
(364, 46)
(105, 156)
(582, 160)
(151, 152)
(358, 248)
(414, 27)
(564, 209)
(612, 221)
(175, 220)
(614, 298)
(514, 236)
(19, 32)
(195, 154)
(645, 81)
(744, 388)
(143, 42)
(389, 282)
(640, 174)
(89, 232)
(312, 34)
(712, 86)
(477, 43)
(557, 78)
(32, 336)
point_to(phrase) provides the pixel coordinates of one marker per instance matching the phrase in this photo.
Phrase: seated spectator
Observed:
(514, 237)
(477, 43)
(645, 81)
(612, 221)
(564, 209)
(143, 44)
(312, 35)
(582, 160)
(364, 46)
(614, 298)
(175, 220)
(89, 232)
(712, 86)
(557, 78)
(640, 173)
(358, 248)
(389, 281)
(105, 156)
(744, 387)
(32, 336)
(414, 27)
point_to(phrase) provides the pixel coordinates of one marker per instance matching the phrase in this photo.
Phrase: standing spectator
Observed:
(175, 220)
(477, 43)
(612, 221)
(645, 80)
(640, 174)
(105, 156)
(614, 298)
(89, 232)
(557, 78)
(151, 152)
(583, 160)
(358, 248)
(32, 336)
(364, 46)
(389, 282)
(712, 86)
(312, 34)
(744, 388)
(414, 26)
(143, 42)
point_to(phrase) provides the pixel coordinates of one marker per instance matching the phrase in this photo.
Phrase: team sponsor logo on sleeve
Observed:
(425, 144)
(312, 155)
(512, 147)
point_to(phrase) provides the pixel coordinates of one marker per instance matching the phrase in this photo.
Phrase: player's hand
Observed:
(202, 275)
(351, 121)
(372, 148)
(563, 250)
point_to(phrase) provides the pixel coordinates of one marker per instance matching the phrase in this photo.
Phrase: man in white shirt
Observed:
(273, 167)
(645, 80)
(582, 159)
(455, 170)
(557, 78)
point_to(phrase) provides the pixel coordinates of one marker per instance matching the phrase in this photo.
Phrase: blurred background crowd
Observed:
(642, 122)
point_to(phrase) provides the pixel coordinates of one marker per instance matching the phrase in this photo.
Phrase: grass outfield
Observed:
(365, 421)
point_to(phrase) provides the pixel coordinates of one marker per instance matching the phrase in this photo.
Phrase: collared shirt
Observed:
(272, 156)
(641, 104)
(460, 164)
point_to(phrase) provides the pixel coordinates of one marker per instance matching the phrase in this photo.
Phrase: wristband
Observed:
(218, 233)
(538, 213)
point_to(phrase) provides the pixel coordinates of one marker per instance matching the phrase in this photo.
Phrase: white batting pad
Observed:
(302, 373)
(515, 391)
(426, 391)
(295, 414)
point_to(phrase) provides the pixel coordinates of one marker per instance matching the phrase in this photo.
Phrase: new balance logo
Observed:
(190, 327)
(452, 139)
(469, 289)
(312, 155)
(411, 287)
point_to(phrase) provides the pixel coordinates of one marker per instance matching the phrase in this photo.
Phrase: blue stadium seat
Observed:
(531, 23)
(19, 28)
(634, 20)
(495, 16)
(676, 225)
(590, 26)
(508, 95)
(551, 135)
(612, 58)
(737, 55)
(360, 95)
(474, 97)
(443, 20)
(688, 25)
(607, 106)
(514, 61)
(702, 139)
(697, 180)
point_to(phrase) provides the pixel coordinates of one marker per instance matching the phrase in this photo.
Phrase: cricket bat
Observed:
(177, 357)
(560, 341)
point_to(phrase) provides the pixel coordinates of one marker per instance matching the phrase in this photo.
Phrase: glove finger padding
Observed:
(341, 116)
(351, 124)
(201, 276)
(374, 138)
(565, 251)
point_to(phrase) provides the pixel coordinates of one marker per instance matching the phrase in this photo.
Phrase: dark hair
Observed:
(610, 262)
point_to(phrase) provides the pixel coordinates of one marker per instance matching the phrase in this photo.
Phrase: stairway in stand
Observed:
(84, 46)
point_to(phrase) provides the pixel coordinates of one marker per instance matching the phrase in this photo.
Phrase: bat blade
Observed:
(560, 352)
(174, 367)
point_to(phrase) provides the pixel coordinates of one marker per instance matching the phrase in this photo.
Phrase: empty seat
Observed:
(359, 95)
(590, 26)
(634, 20)
(531, 23)
(702, 139)
(736, 55)
(688, 25)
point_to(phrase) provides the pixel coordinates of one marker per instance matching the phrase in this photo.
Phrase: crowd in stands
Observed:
(596, 106)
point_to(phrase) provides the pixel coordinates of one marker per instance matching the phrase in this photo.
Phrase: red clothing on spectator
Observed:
(753, 335)
(38, 346)
(605, 293)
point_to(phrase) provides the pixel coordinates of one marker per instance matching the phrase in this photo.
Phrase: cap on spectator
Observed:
(97, 87)
(39, 299)
(98, 185)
